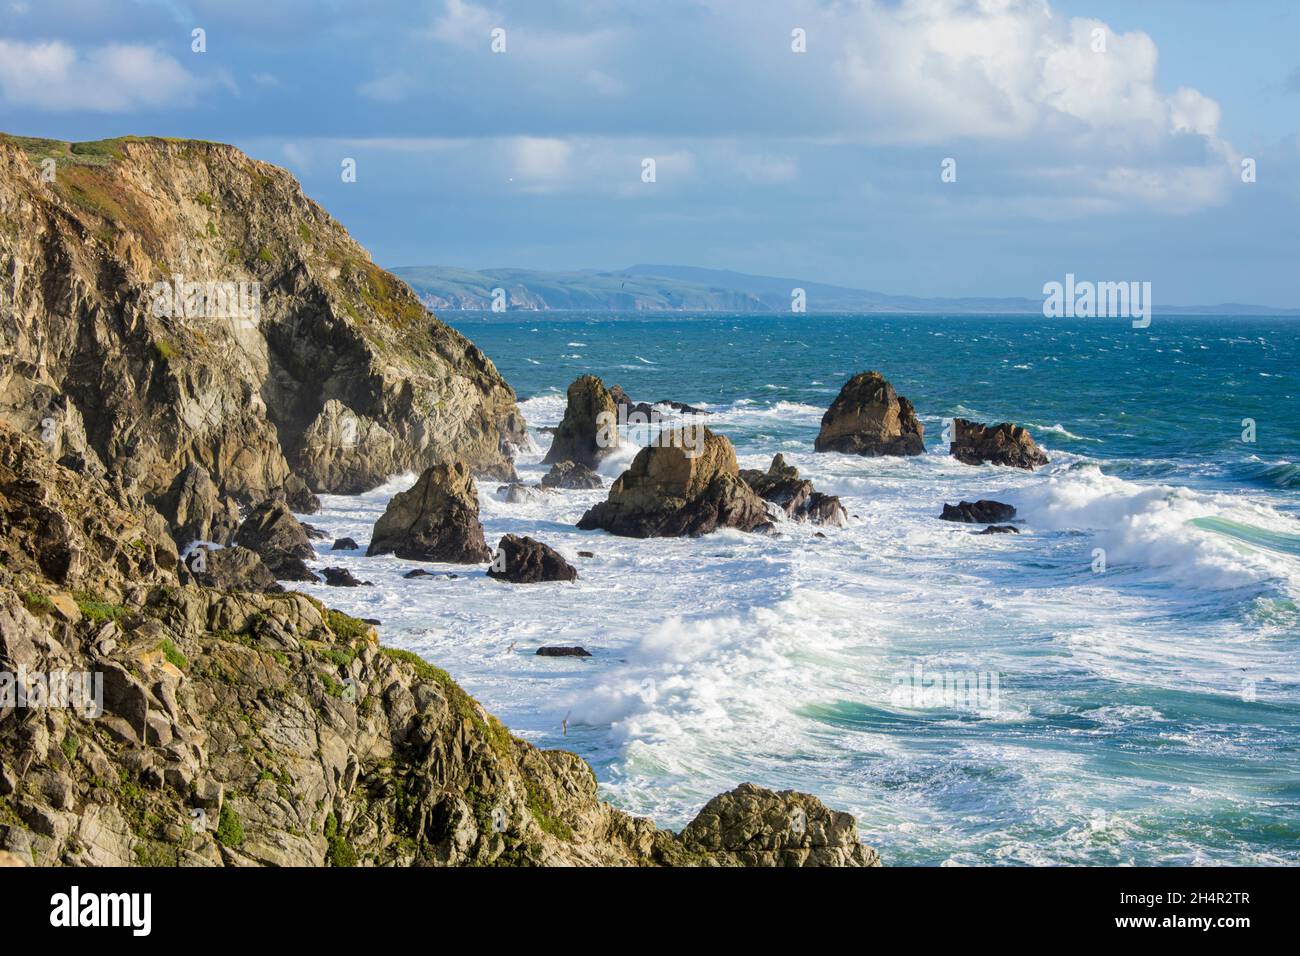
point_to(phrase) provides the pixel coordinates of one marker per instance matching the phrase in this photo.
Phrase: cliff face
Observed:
(305, 367)
(246, 728)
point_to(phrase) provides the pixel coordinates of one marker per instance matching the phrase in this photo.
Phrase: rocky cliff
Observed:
(243, 728)
(174, 314)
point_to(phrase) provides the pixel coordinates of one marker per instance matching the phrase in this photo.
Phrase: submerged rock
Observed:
(668, 492)
(563, 652)
(345, 544)
(569, 474)
(526, 561)
(782, 486)
(342, 578)
(1004, 444)
(869, 418)
(434, 520)
(584, 436)
(999, 529)
(983, 511)
(518, 493)
(628, 407)
(419, 573)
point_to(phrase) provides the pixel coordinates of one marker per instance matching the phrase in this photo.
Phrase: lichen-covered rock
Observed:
(869, 418)
(304, 365)
(264, 729)
(671, 492)
(584, 436)
(750, 826)
(570, 474)
(795, 496)
(435, 520)
(1003, 444)
(525, 560)
(983, 511)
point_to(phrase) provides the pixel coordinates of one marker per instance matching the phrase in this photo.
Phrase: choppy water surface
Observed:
(1147, 713)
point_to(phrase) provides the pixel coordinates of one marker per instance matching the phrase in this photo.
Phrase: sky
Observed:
(1103, 138)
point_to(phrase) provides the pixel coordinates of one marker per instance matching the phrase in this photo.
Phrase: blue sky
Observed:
(1120, 163)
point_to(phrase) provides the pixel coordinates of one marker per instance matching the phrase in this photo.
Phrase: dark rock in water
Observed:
(767, 528)
(668, 492)
(782, 486)
(419, 573)
(1004, 444)
(279, 539)
(517, 493)
(298, 496)
(196, 511)
(978, 512)
(569, 474)
(629, 407)
(526, 561)
(586, 554)
(345, 544)
(589, 430)
(563, 652)
(869, 418)
(341, 578)
(452, 577)
(314, 533)
(229, 569)
(435, 520)
(819, 535)
(999, 529)
(750, 826)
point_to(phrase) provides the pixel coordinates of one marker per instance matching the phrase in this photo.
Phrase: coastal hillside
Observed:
(167, 306)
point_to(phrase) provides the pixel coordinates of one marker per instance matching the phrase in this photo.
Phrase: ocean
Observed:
(1118, 684)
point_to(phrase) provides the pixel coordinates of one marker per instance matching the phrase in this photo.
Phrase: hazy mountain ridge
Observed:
(666, 288)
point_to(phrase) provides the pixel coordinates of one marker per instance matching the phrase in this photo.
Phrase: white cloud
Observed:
(542, 162)
(108, 79)
(465, 24)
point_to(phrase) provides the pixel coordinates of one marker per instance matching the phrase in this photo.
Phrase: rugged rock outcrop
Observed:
(265, 729)
(434, 520)
(230, 569)
(279, 540)
(750, 826)
(583, 437)
(195, 509)
(342, 578)
(1004, 444)
(782, 486)
(627, 407)
(668, 492)
(983, 511)
(525, 560)
(869, 418)
(168, 304)
(345, 544)
(569, 474)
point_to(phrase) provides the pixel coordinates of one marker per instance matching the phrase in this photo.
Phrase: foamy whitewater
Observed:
(1142, 713)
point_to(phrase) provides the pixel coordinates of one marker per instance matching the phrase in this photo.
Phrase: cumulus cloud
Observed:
(109, 79)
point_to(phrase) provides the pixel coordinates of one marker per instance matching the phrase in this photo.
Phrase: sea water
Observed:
(1133, 650)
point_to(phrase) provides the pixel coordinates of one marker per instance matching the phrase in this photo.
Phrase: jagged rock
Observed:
(584, 436)
(999, 529)
(629, 407)
(751, 826)
(568, 474)
(517, 493)
(670, 493)
(342, 578)
(279, 539)
(435, 520)
(1004, 444)
(275, 387)
(782, 486)
(563, 652)
(196, 511)
(526, 560)
(314, 533)
(230, 569)
(345, 544)
(978, 512)
(869, 418)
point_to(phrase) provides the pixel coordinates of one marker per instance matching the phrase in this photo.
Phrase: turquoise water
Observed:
(1145, 711)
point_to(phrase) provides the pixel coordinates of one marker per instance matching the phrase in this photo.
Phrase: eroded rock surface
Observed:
(525, 560)
(1004, 444)
(435, 520)
(583, 436)
(869, 418)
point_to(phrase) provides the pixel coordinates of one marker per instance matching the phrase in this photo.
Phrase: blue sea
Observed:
(1133, 651)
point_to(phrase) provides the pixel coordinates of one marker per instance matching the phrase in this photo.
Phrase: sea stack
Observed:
(583, 436)
(869, 418)
(1004, 444)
